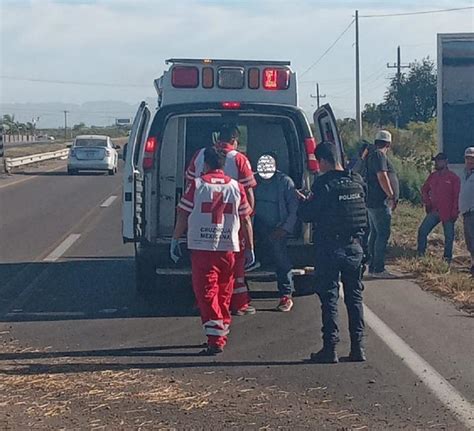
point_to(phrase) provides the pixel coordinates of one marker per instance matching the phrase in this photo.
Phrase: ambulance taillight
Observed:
(310, 147)
(276, 78)
(185, 77)
(151, 145)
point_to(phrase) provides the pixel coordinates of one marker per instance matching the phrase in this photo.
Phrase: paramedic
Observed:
(238, 167)
(212, 210)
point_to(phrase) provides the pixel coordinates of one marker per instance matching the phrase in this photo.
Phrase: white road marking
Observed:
(435, 382)
(24, 180)
(62, 248)
(108, 201)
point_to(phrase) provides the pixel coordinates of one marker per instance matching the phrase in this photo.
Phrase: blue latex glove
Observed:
(249, 257)
(175, 250)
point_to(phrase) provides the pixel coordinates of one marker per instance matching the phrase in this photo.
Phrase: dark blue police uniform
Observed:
(339, 214)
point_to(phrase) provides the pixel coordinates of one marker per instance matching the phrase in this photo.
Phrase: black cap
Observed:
(440, 156)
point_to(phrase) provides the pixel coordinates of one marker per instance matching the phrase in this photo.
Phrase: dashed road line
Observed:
(62, 248)
(108, 201)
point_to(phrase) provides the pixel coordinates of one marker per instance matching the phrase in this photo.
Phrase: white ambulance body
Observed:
(195, 98)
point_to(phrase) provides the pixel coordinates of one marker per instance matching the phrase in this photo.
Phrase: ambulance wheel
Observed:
(145, 271)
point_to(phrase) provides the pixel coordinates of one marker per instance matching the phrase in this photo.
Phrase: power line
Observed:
(329, 49)
(94, 84)
(416, 13)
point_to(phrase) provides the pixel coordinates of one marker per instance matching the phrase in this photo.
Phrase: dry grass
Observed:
(431, 271)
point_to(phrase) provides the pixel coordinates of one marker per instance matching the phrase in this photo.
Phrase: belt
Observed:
(468, 213)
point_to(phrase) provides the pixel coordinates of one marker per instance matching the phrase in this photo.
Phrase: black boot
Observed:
(327, 355)
(357, 353)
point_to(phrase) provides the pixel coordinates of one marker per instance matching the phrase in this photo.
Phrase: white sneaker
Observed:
(384, 275)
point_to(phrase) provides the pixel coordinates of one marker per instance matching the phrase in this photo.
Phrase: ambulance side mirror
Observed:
(266, 166)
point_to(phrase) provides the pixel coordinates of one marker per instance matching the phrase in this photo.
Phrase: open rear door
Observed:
(132, 198)
(326, 129)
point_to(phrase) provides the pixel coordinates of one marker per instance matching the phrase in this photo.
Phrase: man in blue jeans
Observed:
(276, 204)
(382, 197)
(440, 194)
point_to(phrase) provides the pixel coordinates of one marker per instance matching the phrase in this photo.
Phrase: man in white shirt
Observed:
(466, 202)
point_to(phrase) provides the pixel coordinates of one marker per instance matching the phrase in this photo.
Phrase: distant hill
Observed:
(51, 115)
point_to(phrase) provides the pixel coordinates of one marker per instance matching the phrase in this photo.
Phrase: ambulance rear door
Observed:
(326, 129)
(133, 196)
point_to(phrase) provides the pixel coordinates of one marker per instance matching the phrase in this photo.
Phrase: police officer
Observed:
(338, 210)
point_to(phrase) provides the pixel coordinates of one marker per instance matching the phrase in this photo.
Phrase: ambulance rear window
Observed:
(231, 77)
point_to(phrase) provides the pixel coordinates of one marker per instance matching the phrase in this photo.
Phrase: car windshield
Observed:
(90, 142)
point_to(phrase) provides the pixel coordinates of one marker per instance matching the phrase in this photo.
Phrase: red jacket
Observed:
(440, 194)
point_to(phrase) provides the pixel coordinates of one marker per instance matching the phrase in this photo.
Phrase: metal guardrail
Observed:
(34, 158)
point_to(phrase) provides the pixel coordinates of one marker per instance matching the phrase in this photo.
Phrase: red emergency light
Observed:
(276, 78)
(231, 105)
(151, 145)
(185, 77)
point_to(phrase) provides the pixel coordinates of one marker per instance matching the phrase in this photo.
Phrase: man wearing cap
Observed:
(440, 195)
(466, 202)
(382, 198)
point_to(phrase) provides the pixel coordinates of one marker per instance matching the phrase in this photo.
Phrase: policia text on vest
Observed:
(339, 214)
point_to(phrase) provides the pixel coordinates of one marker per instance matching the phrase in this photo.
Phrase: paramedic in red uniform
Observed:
(213, 210)
(238, 167)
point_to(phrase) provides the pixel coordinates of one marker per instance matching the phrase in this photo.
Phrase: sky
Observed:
(120, 45)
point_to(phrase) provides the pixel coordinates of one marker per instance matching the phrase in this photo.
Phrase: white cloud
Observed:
(128, 41)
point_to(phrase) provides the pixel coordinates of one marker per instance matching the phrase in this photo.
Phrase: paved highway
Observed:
(68, 309)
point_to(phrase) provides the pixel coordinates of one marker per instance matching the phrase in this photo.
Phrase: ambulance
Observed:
(196, 97)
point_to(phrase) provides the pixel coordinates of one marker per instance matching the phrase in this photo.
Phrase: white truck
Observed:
(195, 97)
(455, 105)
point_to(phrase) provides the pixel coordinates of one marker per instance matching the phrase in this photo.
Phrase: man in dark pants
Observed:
(338, 209)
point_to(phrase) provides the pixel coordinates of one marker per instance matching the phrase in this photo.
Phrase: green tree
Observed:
(411, 100)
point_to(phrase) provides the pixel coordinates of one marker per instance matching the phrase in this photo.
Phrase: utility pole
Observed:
(318, 96)
(358, 113)
(65, 124)
(398, 65)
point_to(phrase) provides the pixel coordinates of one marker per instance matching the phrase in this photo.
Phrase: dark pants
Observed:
(380, 222)
(342, 261)
(430, 221)
(274, 253)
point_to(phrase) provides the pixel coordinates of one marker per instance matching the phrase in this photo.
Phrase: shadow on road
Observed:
(38, 368)
(59, 173)
(87, 288)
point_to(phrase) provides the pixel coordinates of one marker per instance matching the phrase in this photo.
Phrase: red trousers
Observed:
(240, 295)
(213, 281)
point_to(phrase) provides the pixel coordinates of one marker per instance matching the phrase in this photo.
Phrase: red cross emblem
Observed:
(217, 208)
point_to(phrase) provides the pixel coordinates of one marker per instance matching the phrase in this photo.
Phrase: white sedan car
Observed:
(92, 153)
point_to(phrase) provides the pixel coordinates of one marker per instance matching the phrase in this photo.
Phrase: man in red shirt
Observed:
(238, 167)
(440, 195)
(213, 210)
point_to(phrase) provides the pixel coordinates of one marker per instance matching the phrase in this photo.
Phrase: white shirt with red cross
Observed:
(216, 203)
(237, 166)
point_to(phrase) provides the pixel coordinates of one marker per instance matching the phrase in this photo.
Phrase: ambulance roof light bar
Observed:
(223, 62)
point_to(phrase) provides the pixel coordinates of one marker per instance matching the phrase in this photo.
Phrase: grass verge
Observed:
(431, 272)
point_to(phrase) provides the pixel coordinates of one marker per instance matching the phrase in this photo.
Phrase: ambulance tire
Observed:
(145, 271)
